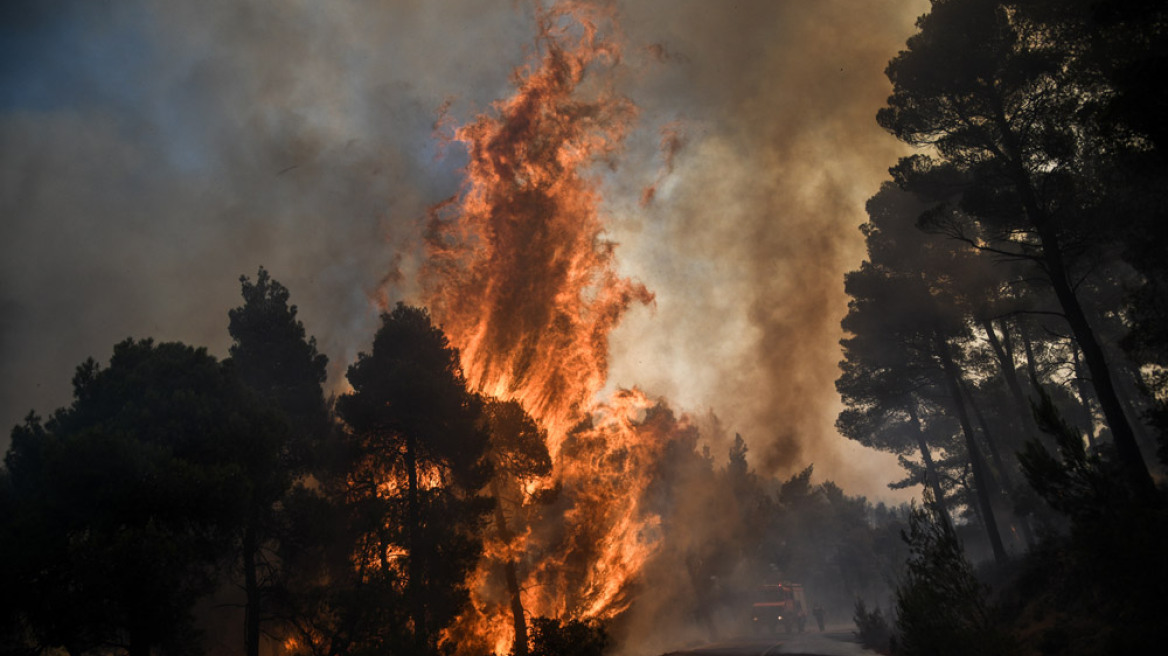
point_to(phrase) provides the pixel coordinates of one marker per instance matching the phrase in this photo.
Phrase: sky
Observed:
(151, 153)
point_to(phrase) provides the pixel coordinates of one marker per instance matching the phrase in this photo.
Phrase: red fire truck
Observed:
(779, 604)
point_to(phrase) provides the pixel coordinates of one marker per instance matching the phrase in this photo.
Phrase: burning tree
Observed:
(519, 455)
(520, 274)
(523, 280)
(421, 462)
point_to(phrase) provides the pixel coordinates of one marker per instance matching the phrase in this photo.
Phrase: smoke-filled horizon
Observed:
(150, 155)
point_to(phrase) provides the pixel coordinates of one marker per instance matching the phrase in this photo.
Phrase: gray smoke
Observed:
(150, 153)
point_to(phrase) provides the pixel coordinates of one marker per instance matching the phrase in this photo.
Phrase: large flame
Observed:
(522, 278)
(520, 274)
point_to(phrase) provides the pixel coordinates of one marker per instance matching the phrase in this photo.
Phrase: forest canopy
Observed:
(477, 485)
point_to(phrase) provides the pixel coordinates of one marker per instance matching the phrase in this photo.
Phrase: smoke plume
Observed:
(151, 153)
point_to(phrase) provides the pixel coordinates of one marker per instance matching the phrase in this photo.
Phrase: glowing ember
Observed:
(671, 143)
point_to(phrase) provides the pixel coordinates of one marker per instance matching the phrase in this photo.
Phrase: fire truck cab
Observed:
(781, 604)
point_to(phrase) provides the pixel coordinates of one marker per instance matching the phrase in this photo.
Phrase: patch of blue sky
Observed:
(99, 59)
(75, 55)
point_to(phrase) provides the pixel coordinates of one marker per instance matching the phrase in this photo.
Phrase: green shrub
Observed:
(942, 606)
(872, 629)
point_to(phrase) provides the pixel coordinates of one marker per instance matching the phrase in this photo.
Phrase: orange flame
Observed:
(520, 274)
(523, 280)
(605, 467)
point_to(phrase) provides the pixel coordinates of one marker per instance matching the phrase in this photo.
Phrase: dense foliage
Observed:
(126, 503)
(1005, 338)
(176, 483)
(1005, 333)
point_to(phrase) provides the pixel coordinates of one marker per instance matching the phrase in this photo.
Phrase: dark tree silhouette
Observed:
(552, 637)
(998, 100)
(271, 355)
(518, 453)
(903, 320)
(126, 501)
(942, 608)
(737, 468)
(1043, 150)
(753, 507)
(419, 428)
(1110, 563)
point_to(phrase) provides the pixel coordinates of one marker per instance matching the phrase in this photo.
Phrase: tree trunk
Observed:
(1081, 388)
(511, 575)
(251, 617)
(413, 537)
(1006, 487)
(1000, 465)
(1121, 429)
(931, 475)
(1130, 458)
(1132, 397)
(1031, 368)
(1027, 416)
(1006, 342)
(1010, 375)
(980, 475)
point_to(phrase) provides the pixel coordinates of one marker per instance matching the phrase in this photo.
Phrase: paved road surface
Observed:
(837, 640)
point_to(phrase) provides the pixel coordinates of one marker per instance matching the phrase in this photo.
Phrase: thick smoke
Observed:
(746, 242)
(151, 153)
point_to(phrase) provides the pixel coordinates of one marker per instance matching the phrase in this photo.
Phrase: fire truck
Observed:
(781, 604)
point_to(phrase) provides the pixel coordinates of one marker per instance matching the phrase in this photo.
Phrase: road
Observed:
(837, 640)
